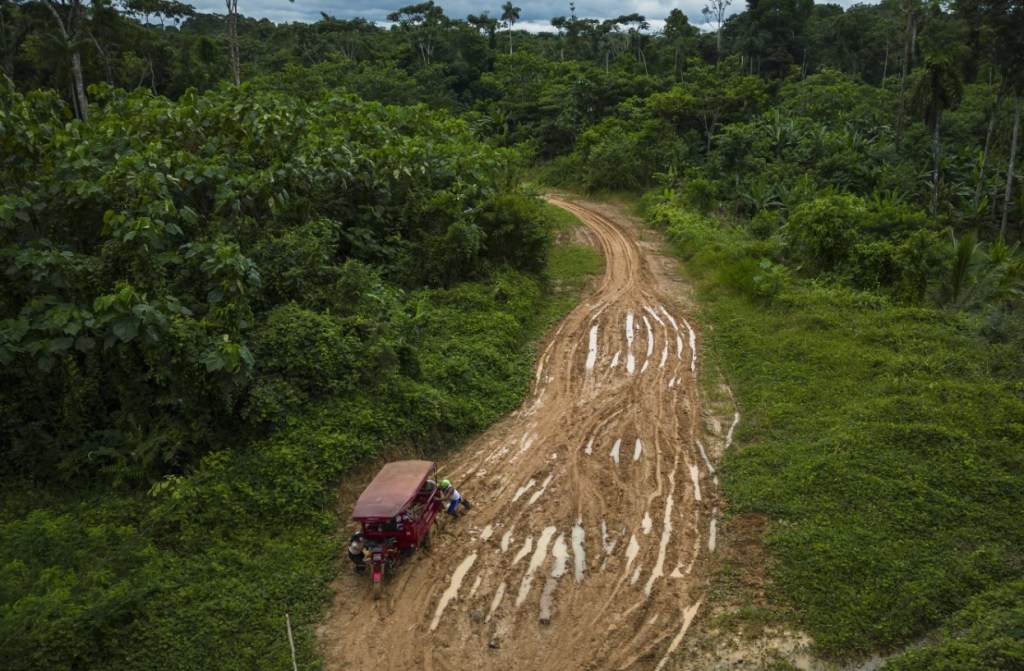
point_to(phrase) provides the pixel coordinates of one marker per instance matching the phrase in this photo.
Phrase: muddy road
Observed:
(595, 503)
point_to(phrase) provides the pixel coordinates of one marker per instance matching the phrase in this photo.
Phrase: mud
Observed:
(607, 469)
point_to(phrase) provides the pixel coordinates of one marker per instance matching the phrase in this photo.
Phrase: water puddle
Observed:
(688, 616)
(631, 552)
(637, 449)
(615, 451)
(453, 588)
(476, 586)
(679, 347)
(578, 554)
(522, 490)
(711, 469)
(589, 449)
(543, 488)
(728, 437)
(636, 575)
(669, 316)
(486, 533)
(650, 337)
(647, 523)
(535, 561)
(605, 545)
(713, 530)
(527, 443)
(525, 550)
(630, 358)
(672, 383)
(560, 552)
(615, 360)
(505, 540)
(695, 476)
(666, 534)
(496, 601)
(664, 356)
(644, 368)
(592, 349)
(654, 315)
(693, 346)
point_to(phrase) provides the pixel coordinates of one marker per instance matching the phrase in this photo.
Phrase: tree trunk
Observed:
(885, 65)
(69, 31)
(76, 72)
(908, 54)
(936, 149)
(980, 186)
(1009, 168)
(236, 69)
(108, 66)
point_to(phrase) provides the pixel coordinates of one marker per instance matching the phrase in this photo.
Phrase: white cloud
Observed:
(534, 15)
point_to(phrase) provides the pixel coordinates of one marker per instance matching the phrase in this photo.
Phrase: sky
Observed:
(534, 15)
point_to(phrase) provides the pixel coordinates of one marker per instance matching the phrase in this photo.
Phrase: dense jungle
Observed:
(246, 262)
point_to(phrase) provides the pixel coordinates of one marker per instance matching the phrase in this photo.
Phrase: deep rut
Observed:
(594, 504)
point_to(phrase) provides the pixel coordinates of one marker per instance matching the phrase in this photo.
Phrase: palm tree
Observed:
(509, 14)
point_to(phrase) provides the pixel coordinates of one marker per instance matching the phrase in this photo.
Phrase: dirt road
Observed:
(594, 503)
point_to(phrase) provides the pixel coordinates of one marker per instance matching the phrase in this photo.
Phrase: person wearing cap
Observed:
(452, 498)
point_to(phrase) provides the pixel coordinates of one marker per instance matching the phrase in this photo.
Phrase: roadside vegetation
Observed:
(882, 440)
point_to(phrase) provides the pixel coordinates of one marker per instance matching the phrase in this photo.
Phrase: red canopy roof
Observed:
(391, 491)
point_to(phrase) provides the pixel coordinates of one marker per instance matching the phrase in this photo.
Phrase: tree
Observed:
(634, 33)
(715, 11)
(13, 28)
(236, 73)
(486, 24)
(424, 22)
(912, 10)
(510, 14)
(940, 86)
(70, 18)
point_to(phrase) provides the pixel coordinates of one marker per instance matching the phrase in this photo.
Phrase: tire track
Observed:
(585, 545)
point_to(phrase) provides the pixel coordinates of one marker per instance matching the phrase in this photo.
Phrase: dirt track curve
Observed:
(594, 503)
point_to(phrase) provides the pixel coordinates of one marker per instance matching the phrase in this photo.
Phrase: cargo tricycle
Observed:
(396, 512)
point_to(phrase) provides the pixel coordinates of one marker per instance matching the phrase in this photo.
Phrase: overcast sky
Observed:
(534, 15)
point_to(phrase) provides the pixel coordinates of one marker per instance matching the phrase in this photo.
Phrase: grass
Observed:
(883, 442)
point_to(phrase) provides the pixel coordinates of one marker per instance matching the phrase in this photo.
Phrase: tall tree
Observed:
(425, 22)
(510, 14)
(486, 24)
(70, 17)
(13, 29)
(912, 10)
(1003, 21)
(236, 70)
(940, 86)
(939, 89)
(714, 12)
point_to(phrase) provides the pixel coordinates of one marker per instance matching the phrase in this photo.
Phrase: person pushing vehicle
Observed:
(452, 498)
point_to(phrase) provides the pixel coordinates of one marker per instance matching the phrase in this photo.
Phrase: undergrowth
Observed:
(200, 571)
(884, 443)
